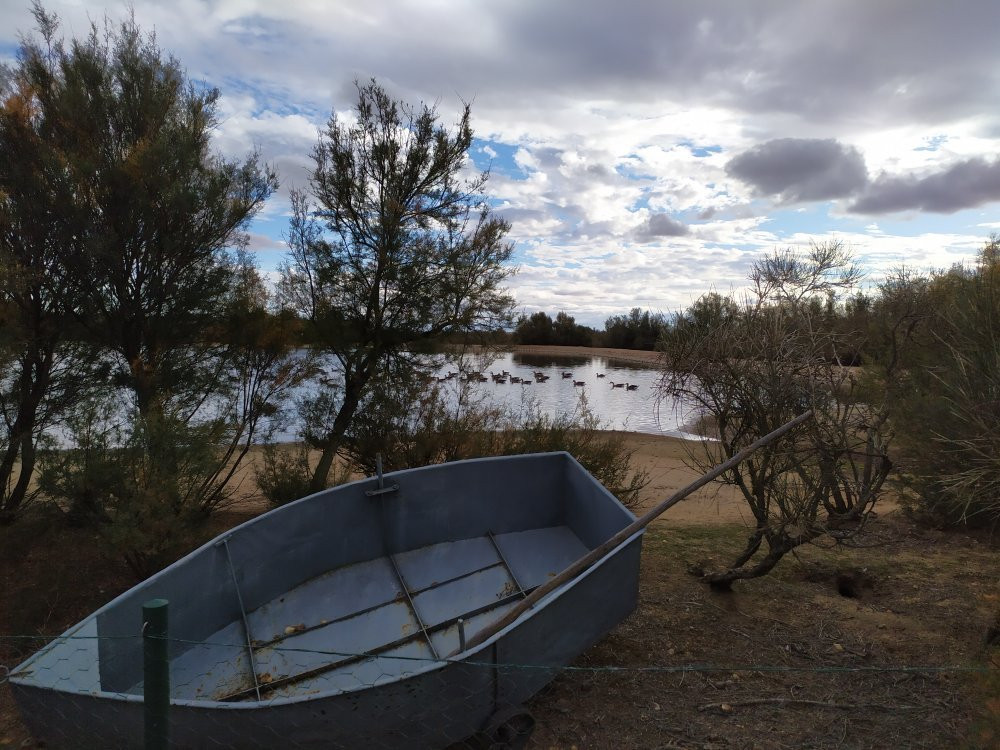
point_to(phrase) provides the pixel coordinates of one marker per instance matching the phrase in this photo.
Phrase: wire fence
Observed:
(568, 669)
(87, 691)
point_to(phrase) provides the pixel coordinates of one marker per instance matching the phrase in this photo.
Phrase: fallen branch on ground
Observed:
(728, 705)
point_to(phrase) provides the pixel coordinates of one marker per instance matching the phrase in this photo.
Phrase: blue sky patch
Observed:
(701, 151)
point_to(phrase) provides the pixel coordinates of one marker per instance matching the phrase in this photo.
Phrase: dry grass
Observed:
(776, 647)
(774, 655)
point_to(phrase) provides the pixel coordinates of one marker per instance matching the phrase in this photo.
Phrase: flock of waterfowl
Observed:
(504, 377)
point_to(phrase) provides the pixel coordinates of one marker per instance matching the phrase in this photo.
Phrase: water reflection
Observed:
(547, 360)
(621, 393)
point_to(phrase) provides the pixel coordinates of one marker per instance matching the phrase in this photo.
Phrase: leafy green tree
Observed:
(540, 329)
(534, 329)
(160, 212)
(640, 329)
(137, 233)
(567, 332)
(42, 367)
(709, 313)
(399, 251)
(149, 482)
(854, 325)
(947, 345)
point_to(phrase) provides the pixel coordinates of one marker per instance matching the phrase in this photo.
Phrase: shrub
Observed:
(145, 484)
(949, 399)
(285, 473)
(753, 366)
(431, 430)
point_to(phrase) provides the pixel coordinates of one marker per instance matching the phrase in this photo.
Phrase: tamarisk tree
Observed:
(37, 224)
(393, 249)
(121, 234)
(753, 365)
(43, 367)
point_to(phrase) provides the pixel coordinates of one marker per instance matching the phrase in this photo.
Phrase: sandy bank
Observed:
(628, 355)
(665, 458)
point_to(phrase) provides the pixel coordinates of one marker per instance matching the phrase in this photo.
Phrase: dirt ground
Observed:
(790, 661)
(878, 645)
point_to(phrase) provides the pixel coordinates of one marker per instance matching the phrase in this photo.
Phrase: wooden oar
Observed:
(640, 523)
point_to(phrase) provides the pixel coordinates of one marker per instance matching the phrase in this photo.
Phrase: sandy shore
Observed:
(636, 356)
(666, 459)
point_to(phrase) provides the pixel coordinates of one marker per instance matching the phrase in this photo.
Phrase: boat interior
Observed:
(375, 620)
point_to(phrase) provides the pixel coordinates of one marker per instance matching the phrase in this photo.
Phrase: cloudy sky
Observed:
(645, 152)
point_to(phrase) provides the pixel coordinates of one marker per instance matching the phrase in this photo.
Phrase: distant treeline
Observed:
(639, 329)
(857, 322)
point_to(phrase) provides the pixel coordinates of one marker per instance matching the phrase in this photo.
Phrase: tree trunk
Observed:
(146, 396)
(352, 397)
(25, 471)
(778, 547)
(21, 437)
(322, 473)
(753, 544)
(724, 579)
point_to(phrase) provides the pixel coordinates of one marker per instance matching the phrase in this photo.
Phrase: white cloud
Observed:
(610, 110)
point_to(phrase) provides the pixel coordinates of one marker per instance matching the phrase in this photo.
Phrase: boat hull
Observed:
(399, 701)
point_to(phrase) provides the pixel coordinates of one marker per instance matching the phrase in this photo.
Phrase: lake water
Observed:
(636, 410)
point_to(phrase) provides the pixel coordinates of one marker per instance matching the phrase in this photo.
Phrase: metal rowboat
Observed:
(342, 620)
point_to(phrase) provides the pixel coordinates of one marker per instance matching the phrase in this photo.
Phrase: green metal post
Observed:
(156, 674)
